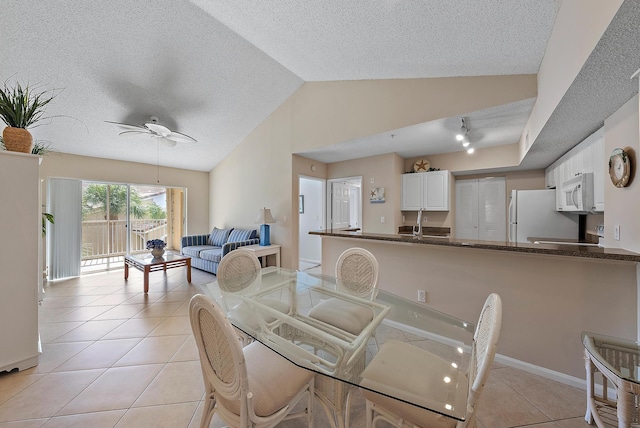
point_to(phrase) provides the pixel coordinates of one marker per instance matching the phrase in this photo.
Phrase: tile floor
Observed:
(115, 357)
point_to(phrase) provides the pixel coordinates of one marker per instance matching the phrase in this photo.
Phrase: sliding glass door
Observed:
(120, 219)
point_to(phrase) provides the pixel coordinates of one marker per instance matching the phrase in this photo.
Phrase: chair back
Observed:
(238, 270)
(357, 273)
(483, 350)
(221, 356)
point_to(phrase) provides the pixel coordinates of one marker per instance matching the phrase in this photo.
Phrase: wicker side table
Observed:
(617, 360)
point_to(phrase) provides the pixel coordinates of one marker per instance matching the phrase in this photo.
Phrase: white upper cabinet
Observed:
(427, 191)
(588, 156)
(600, 168)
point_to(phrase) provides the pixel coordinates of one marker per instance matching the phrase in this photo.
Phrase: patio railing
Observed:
(102, 238)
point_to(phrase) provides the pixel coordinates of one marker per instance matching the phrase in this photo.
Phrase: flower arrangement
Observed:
(156, 243)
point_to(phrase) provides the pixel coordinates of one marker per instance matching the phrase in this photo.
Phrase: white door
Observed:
(491, 209)
(481, 209)
(340, 205)
(467, 209)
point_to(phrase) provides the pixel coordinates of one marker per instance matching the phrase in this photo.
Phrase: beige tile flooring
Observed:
(115, 357)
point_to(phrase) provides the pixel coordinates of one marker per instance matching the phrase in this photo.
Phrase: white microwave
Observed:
(577, 194)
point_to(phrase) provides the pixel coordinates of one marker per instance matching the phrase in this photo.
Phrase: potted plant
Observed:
(20, 108)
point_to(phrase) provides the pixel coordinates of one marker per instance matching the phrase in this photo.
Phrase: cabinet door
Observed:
(600, 167)
(436, 191)
(550, 176)
(412, 185)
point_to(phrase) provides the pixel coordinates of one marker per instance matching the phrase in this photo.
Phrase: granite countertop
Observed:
(560, 249)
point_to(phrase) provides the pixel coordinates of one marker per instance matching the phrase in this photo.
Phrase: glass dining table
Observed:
(274, 310)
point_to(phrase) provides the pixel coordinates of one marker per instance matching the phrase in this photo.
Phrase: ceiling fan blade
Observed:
(126, 125)
(181, 138)
(141, 131)
(168, 141)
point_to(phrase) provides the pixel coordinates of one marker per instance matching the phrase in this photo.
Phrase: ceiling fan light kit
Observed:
(157, 130)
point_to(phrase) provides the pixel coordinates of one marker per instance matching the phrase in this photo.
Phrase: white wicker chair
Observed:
(398, 365)
(248, 387)
(357, 275)
(238, 272)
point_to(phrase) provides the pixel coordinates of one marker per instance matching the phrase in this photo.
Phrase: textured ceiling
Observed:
(216, 69)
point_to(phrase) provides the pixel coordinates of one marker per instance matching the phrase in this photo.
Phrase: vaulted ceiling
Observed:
(216, 69)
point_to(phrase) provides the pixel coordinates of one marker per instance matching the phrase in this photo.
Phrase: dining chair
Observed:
(356, 275)
(238, 272)
(248, 387)
(418, 374)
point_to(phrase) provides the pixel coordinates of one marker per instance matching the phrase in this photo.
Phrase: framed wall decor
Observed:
(619, 167)
(376, 196)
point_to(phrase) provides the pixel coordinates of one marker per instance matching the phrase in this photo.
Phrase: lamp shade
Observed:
(264, 216)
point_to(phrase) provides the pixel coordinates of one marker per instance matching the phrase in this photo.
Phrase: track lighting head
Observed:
(463, 131)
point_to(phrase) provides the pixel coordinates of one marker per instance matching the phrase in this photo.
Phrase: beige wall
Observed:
(622, 205)
(259, 172)
(385, 171)
(578, 28)
(547, 300)
(95, 169)
(326, 113)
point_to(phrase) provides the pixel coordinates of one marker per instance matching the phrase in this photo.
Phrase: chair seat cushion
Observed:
(344, 315)
(194, 250)
(413, 374)
(245, 316)
(273, 380)
(213, 255)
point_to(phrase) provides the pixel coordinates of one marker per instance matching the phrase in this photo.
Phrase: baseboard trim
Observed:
(507, 361)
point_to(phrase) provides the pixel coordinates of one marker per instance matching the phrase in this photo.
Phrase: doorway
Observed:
(310, 217)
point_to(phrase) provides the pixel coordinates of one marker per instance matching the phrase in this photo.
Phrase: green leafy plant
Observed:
(46, 217)
(42, 148)
(22, 107)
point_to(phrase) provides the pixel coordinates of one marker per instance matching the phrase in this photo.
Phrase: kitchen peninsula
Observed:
(551, 293)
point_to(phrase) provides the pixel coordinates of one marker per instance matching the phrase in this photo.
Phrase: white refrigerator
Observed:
(532, 214)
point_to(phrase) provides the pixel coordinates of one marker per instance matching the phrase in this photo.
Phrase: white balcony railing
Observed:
(101, 238)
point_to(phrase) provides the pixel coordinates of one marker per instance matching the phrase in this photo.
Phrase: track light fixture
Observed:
(463, 131)
(463, 137)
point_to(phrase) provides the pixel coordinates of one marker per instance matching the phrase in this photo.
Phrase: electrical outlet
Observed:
(422, 296)
(373, 180)
(424, 219)
(616, 232)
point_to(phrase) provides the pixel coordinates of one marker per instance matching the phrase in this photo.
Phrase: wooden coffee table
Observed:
(146, 263)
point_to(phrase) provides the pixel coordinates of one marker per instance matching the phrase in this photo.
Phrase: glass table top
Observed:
(274, 310)
(620, 356)
(148, 259)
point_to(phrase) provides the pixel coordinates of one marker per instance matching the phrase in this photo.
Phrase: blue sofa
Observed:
(206, 251)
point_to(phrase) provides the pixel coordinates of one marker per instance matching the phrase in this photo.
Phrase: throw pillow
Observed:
(218, 237)
(239, 235)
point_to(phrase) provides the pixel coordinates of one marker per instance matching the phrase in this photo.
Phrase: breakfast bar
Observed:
(551, 293)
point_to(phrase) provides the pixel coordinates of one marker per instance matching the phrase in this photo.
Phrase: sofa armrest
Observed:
(190, 240)
(230, 246)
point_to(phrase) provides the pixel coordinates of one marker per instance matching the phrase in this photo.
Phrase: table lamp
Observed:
(264, 217)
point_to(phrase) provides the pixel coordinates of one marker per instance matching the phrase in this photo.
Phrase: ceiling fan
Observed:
(156, 130)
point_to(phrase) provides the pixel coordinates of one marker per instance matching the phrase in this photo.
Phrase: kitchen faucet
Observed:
(418, 232)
